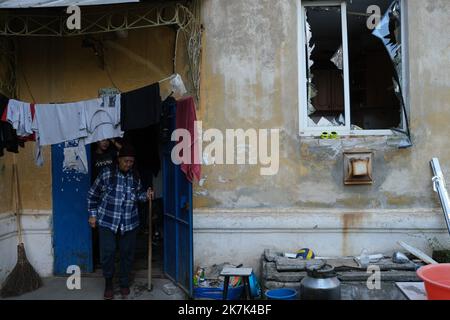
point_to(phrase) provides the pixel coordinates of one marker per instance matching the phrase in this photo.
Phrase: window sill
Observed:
(351, 133)
(360, 141)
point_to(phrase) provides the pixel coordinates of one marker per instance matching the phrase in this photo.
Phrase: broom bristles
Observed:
(23, 278)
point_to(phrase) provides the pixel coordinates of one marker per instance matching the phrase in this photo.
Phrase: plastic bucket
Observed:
(255, 289)
(234, 293)
(437, 280)
(281, 294)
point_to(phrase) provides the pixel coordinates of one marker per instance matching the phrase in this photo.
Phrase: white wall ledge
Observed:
(317, 220)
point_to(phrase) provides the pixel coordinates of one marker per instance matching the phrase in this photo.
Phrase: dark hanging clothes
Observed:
(140, 108)
(146, 143)
(8, 136)
(167, 117)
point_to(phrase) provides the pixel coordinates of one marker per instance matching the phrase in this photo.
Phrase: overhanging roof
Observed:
(56, 3)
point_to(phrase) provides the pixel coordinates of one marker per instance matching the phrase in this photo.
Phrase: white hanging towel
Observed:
(19, 115)
(57, 123)
(101, 118)
(75, 157)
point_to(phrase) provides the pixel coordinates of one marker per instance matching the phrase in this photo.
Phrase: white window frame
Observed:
(304, 130)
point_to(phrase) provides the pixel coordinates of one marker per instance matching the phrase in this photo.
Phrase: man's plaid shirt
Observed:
(115, 206)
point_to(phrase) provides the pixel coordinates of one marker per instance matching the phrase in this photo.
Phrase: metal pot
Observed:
(321, 283)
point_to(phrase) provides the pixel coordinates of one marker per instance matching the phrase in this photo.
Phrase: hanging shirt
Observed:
(24, 137)
(75, 156)
(168, 107)
(57, 123)
(140, 108)
(102, 118)
(19, 115)
(8, 136)
(146, 142)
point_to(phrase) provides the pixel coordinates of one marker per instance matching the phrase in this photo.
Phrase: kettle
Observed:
(321, 283)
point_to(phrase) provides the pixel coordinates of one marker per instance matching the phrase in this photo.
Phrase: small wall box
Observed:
(358, 167)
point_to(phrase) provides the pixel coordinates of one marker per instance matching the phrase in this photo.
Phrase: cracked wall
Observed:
(249, 80)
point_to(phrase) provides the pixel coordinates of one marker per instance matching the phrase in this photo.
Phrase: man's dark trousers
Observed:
(127, 243)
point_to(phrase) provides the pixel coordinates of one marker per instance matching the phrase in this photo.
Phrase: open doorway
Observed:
(113, 56)
(72, 240)
(147, 144)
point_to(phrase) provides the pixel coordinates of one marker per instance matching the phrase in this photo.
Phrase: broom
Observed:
(23, 278)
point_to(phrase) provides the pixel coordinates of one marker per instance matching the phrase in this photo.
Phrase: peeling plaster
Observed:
(236, 62)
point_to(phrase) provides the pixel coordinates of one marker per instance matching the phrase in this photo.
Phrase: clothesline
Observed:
(85, 121)
(80, 123)
(168, 78)
(177, 85)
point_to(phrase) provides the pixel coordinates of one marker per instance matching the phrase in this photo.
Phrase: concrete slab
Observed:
(359, 291)
(55, 288)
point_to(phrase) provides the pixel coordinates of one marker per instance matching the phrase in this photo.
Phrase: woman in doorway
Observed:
(104, 155)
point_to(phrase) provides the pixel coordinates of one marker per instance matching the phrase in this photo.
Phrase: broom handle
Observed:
(150, 234)
(17, 199)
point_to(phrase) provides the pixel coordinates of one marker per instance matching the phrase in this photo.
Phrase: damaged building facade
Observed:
(317, 70)
(337, 83)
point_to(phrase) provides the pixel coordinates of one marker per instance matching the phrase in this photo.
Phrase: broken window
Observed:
(353, 71)
(325, 78)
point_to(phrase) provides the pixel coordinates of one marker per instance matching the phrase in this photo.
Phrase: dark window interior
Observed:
(373, 102)
(326, 77)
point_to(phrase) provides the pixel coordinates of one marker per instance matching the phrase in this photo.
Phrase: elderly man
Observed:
(112, 204)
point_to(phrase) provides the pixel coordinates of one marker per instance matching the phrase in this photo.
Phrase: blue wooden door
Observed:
(72, 242)
(178, 242)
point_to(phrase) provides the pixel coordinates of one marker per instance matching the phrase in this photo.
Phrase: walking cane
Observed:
(150, 233)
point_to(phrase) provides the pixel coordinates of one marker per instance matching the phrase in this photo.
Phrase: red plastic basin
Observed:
(437, 280)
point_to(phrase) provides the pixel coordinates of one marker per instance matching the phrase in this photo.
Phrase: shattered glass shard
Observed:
(338, 58)
(389, 31)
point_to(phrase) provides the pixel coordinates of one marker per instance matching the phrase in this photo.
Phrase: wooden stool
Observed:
(237, 272)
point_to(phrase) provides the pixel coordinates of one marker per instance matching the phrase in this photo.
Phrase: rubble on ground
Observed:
(281, 272)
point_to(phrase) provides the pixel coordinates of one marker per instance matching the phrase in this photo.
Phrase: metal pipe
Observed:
(440, 187)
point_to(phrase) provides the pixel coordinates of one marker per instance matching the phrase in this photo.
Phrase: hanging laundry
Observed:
(21, 112)
(19, 115)
(185, 119)
(140, 108)
(146, 143)
(102, 118)
(167, 108)
(75, 156)
(8, 136)
(38, 153)
(57, 123)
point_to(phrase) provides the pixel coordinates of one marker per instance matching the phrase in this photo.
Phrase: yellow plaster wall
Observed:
(61, 70)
